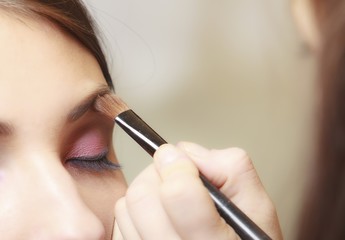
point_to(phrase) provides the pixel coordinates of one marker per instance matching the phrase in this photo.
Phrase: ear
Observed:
(304, 15)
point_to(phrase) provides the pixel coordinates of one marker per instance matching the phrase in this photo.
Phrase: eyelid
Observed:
(87, 147)
(98, 156)
(96, 163)
(91, 142)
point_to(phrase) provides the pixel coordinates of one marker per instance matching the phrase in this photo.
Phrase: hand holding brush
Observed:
(245, 228)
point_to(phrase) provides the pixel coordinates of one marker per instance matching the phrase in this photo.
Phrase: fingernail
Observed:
(194, 150)
(167, 154)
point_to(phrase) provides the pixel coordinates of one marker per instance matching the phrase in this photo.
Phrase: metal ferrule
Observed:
(140, 131)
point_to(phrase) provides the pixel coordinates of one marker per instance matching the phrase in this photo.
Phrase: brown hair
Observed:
(324, 214)
(72, 17)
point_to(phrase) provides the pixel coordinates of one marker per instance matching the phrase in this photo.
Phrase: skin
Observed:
(169, 195)
(305, 20)
(44, 74)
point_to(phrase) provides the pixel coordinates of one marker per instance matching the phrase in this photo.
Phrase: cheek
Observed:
(99, 190)
(2, 176)
(4, 181)
(100, 194)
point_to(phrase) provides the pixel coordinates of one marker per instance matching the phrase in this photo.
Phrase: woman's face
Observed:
(55, 181)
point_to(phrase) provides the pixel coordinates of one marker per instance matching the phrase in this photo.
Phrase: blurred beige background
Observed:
(220, 73)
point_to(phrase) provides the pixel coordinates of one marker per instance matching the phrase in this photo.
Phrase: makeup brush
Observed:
(116, 110)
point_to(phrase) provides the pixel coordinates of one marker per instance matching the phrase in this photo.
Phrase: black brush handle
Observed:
(140, 131)
(148, 139)
(241, 223)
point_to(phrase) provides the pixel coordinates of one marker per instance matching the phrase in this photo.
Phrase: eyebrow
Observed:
(87, 103)
(6, 129)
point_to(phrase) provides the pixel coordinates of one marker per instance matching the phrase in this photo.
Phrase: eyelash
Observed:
(96, 163)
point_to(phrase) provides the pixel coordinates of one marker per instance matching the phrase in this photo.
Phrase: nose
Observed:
(51, 207)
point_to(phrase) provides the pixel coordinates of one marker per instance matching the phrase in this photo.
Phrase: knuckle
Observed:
(233, 158)
(238, 155)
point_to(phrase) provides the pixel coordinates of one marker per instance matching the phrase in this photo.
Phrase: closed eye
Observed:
(96, 163)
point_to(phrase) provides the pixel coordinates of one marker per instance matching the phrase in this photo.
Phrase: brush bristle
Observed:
(110, 105)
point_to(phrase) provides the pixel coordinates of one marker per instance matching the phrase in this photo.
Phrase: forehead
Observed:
(41, 67)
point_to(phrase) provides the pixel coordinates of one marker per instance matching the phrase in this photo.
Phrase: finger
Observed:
(117, 233)
(145, 207)
(126, 229)
(233, 172)
(186, 200)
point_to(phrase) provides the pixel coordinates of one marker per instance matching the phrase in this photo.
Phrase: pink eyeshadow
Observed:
(89, 144)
